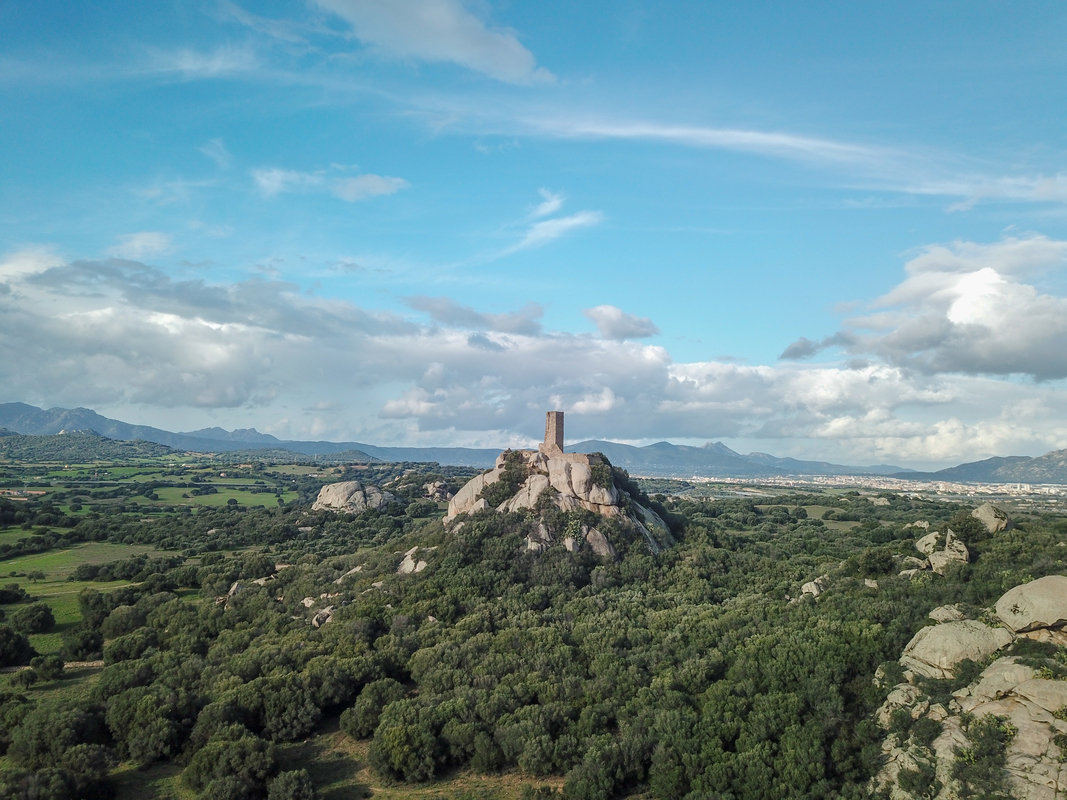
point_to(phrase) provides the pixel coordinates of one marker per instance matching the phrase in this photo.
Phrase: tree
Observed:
(293, 785)
(36, 575)
(14, 647)
(82, 644)
(36, 618)
(360, 721)
(94, 608)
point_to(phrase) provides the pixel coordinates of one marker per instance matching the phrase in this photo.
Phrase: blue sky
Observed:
(828, 230)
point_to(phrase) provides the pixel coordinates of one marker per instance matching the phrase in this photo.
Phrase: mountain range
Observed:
(662, 458)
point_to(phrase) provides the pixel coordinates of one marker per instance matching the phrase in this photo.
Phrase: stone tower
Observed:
(553, 433)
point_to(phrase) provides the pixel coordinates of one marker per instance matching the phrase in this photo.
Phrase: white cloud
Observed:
(550, 204)
(119, 333)
(217, 152)
(541, 233)
(614, 323)
(363, 186)
(136, 246)
(964, 308)
(784, 145)
(439, 31)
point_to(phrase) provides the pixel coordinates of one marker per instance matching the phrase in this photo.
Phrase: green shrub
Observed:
(35, 618)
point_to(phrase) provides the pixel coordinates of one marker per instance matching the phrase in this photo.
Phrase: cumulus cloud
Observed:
(118, 333)
(272, 181)
(135, 246)
(965, 308)
(614, 323)
(439, 31)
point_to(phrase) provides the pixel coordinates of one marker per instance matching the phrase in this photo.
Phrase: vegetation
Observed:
(692, 673)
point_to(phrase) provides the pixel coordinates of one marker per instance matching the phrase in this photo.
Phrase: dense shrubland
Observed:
(687, 674)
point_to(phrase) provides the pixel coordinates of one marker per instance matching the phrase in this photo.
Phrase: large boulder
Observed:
(935, 651)
(351, 497)
(1038, 604)
(994, 519)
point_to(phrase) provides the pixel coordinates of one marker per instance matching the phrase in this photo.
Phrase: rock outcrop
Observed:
(815, 587)
(570, 482)
(411, 564)
(954, 552)
(935, 650)
(437, 491)
(1025, 697)
(351, 497)
(1038, 604)
(941, 551)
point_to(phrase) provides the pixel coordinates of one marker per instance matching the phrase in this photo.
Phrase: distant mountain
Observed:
(1049, 468)
(795, 466)
(30, 420)
(713, 459)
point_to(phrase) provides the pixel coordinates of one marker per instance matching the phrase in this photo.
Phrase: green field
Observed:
(59, 593)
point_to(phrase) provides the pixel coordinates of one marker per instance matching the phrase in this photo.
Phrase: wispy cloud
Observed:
(784, 145)
(217, 152)
(362, 187)
(273, 180)
(550, 204)
(194, 64)
(439, 31)
(136, 246)
(448, 312)
(541, 233)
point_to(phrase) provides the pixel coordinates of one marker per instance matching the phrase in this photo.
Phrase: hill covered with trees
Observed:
(700, 671)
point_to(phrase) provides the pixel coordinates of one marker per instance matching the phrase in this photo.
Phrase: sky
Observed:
(827, 230)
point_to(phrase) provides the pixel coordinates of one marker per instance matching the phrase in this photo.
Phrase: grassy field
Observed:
(60, 594)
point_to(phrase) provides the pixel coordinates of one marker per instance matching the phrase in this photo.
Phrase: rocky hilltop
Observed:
(566, 493)
(1019, 699)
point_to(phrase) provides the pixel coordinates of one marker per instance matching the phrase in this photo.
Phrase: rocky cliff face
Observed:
(570, 482)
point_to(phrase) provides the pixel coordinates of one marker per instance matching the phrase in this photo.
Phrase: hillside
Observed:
(1049, 468)
(76, 446)
(284, 650)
